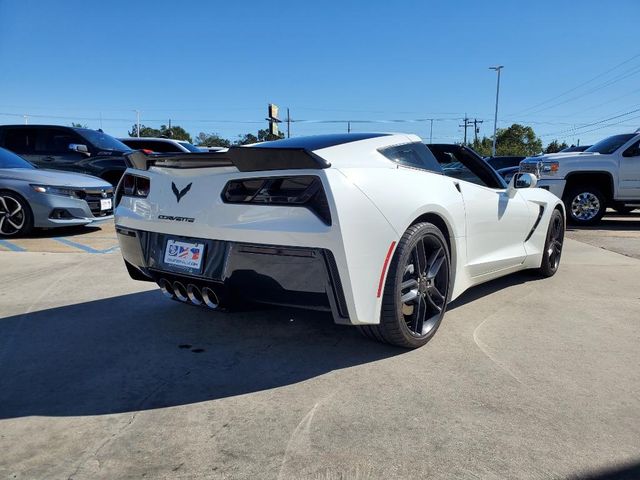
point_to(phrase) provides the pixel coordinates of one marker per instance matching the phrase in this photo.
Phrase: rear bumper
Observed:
(280, 275)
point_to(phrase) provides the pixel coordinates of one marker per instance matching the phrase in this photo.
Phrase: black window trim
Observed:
(381, 151)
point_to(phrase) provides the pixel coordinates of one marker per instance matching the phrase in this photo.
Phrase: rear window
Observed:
(191, 148)
(415, 155)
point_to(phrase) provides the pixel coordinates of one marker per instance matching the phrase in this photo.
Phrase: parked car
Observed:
(369, 227)
(606, 174)
(35, 198)
(506, 166)
(574, 149)
(159, 145)
(57, 147)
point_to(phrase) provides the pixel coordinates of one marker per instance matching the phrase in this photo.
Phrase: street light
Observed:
(495, 118)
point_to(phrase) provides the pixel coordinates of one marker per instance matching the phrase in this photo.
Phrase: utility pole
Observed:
(497, 68)
(431, 131)
(137, 123)
(26, 119)
(476, 129)
(348, 127)
(288, 123)
(467, 124)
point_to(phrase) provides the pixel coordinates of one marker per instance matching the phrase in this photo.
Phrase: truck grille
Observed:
(529, 167)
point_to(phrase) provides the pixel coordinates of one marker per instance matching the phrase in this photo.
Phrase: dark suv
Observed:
(72, 149)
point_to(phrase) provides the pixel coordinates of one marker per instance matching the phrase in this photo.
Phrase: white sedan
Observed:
(373, 228)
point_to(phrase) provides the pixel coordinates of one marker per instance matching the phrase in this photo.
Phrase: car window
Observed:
(412, 155)
(191, 148)
(153, 145)
(11, 160)
(453, 167)
(53, 140)
(101, 140)
(633, 150)
(20, 140)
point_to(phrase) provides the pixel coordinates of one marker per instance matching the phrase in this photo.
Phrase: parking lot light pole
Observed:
(495, 118)
(137, 123)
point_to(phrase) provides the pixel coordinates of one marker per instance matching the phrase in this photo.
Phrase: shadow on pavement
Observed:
(625, 472)
(492, 286)
(63, 231)
(629, 222)
(142, 351)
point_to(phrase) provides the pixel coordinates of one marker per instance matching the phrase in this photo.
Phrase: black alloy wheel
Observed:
(416, 290)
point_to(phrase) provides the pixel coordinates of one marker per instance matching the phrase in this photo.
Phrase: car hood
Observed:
(53, 177)
(558, 156)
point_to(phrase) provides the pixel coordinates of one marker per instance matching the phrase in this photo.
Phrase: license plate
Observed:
(105, 204)
(184, 254)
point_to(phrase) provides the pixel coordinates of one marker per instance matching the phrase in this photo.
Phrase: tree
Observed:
(516, 140)
(211, 140)
(263, 136)
(78, 125)
(555, 146)
(246, 139)
(176, 132)
(482, 146)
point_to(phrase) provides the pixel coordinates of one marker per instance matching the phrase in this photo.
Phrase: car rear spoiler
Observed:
(245, 159)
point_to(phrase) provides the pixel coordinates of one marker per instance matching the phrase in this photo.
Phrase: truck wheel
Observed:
(585, 205)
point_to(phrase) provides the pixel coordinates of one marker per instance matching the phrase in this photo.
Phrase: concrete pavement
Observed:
(102, 377)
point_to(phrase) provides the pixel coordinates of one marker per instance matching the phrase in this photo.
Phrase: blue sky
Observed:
(213, 66)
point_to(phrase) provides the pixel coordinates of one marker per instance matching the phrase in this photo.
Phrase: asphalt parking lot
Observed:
(102, 377)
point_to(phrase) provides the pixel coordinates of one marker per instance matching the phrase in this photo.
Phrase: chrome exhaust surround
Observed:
(166, 288)
(194, 294)
(210, 298)
(180, 291)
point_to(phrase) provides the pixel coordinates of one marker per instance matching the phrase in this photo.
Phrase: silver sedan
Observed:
(33, 198)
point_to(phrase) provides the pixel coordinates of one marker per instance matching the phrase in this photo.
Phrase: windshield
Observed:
(610, 144)
(11, 160)
(102, 141)
(190, 147)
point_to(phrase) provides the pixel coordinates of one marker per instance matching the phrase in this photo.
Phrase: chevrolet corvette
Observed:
(374, 228)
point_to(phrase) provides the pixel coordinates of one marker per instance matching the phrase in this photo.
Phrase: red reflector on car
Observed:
(384, 268)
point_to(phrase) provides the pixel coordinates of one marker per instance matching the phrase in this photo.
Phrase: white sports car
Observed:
(374, 228)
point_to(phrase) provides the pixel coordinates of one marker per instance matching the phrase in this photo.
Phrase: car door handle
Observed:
(457, 185)
(48, 159)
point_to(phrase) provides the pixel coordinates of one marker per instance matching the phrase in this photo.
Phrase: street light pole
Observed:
(495, 118)
(137, 123)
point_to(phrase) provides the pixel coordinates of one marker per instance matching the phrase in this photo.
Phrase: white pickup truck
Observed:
(605, 175)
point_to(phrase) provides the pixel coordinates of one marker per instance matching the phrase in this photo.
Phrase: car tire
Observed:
(553, 245)
(16, 218)
(416, 290)
(585, 205)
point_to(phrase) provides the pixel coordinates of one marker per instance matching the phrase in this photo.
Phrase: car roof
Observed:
(155, 139)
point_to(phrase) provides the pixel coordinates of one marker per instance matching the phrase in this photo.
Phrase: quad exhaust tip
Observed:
(194, 294)
(180, 291)
(191, 293)
(166, 288)
(210, 298)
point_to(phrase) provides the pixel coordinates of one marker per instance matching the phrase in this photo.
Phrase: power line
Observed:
(580, 85)
(573, 130)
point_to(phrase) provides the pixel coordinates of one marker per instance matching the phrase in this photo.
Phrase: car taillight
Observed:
(302, 190)
(132, 186)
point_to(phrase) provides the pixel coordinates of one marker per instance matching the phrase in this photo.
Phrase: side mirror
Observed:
(78, 147)
(522, 180)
